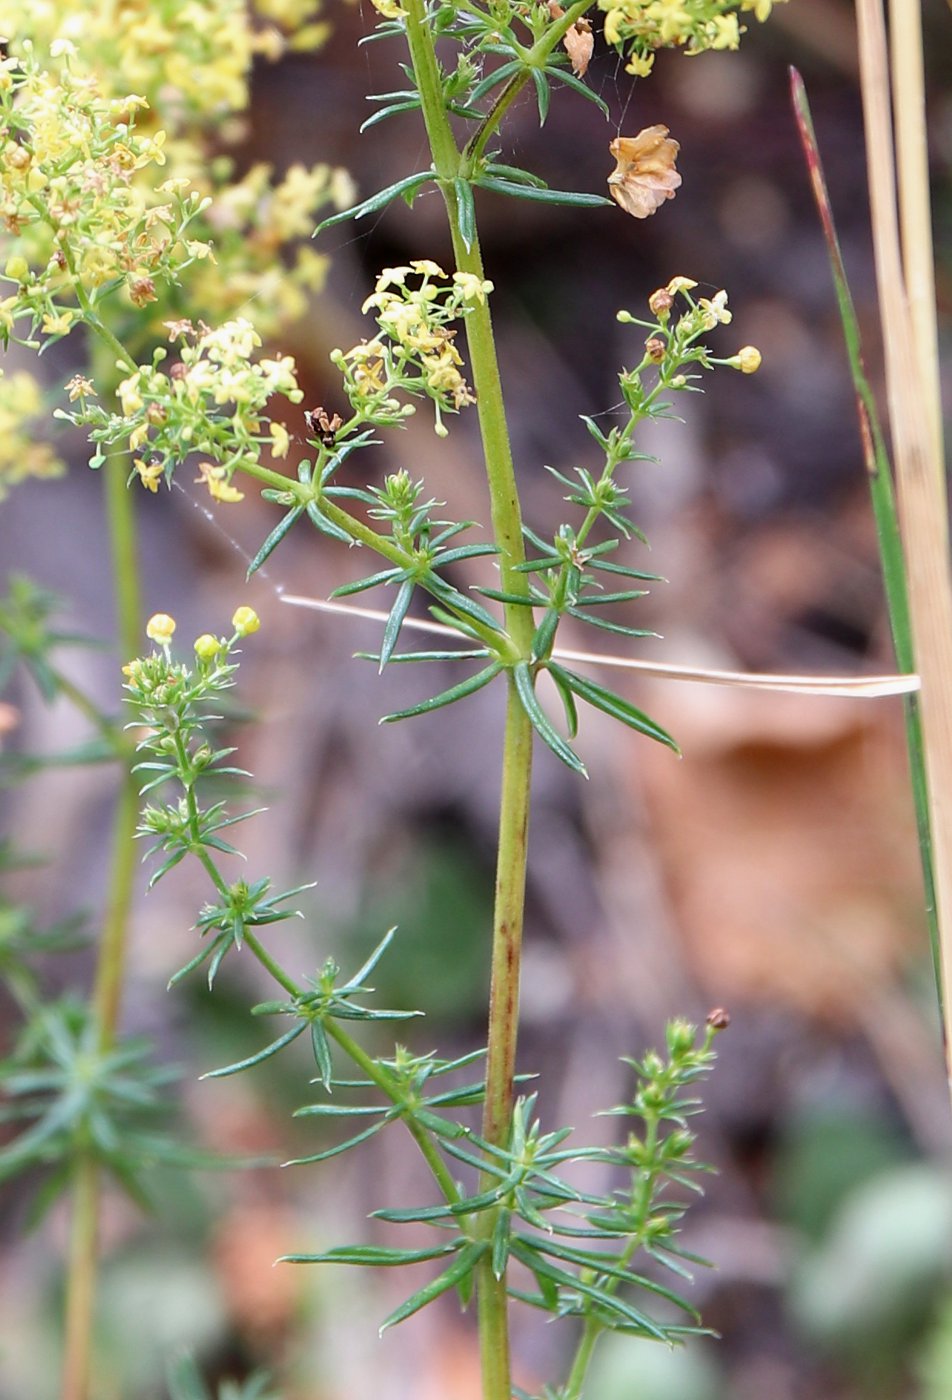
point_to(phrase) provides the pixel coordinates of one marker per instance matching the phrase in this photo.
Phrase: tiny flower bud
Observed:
(660, 303)
(654, 349)
(159, 629)
(17, 268)
(680, 1037)
(719, 1019)
(207, 646)
(747, 360)
(625, 317)
(245, 621)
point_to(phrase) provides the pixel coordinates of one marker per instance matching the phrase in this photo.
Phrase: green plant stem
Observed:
(643, 1197)
(365, 1062)
(81, 1280)
(420, 1135)
(517, 751)
(111, 958)
(535, 58)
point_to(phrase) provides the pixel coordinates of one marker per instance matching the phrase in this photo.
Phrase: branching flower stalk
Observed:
(216, 403)
(170, 700)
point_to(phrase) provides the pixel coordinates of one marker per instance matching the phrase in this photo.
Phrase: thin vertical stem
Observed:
(81, 1281)
(517, 751)
(111, 958)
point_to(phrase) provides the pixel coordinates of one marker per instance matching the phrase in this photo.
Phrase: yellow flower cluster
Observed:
(22, 453)
(211, 402)
(674, 343)
(415, 352)
(83, 199)
(191, 57)
(639, 27)
(250, 223)
(80, 223)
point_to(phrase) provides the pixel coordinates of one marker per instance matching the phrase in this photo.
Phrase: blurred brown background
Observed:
(773, 870)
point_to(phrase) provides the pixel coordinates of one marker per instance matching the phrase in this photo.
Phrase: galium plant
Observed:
(103, 237)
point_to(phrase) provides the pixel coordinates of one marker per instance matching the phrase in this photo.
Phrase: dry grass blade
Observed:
(868, 687)
(919, 470)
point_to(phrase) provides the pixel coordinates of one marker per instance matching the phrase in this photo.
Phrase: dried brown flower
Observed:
(645, 175)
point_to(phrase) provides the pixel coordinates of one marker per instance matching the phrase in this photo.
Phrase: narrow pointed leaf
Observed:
(515, 174)
(568, 703)
(322, 1054)
(542, 94)
(466, 211)
(390, 111)
(401, 606)
(258, 1058)
(448, 697)
(543, 196)
(493, 79)
(544, 637)
(399, 656)
(605, 566)
(464, 1264)
(614, 705)
(375, 1256)
(518, 600)
(401, 189)
(465, 551)
(600, 600)
(581, 88)
(501, 1231)
(326, 527)
(360, 976)
(275, 538)
(450, 620)
(464, 604)
(341, 1147)
(617, 627)
(371, 581)
(540, 721)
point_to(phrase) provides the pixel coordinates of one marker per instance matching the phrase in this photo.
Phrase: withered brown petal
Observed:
(579, 44)
(645, 175)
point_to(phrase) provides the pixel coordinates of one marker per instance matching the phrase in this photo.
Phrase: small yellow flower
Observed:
(280, 440)
(59, 324)
(79, 387)
(130, 399)
(388, 8)
(149, 473)
(639, 66)
(747, 360)
(215, 477)
(207, 646)
(680, 284)
(715, 310)
(245, 621)
(160, 628)
(472, 287)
